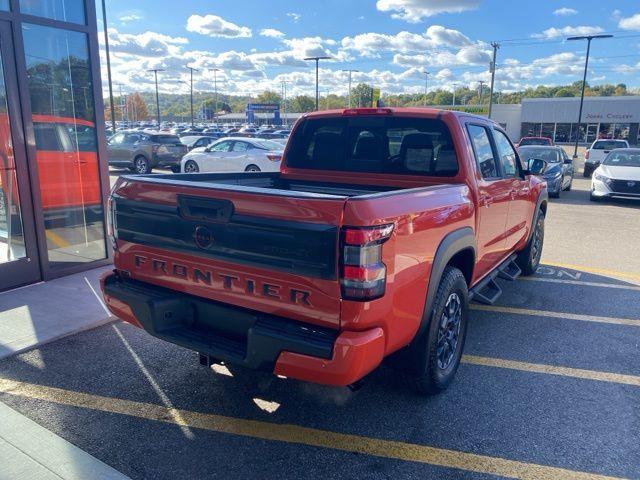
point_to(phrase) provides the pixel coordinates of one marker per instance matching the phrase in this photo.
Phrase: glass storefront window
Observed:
(530, 129)
(61, 93)
(64, 10)
(547, 130)
(621, 131)
(4, 4)
(606, 130)
(12, 245)
(563, 133)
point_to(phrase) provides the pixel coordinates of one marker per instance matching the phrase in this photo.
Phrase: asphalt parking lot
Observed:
(549, 386)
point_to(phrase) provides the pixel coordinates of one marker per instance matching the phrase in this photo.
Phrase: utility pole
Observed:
(317, 60)
(191, 69)
(481, 83)
(350, 72)
(155, 72)
(106, 49)
(588, 38)
(455, 87)
(426, 86)
(492, 68)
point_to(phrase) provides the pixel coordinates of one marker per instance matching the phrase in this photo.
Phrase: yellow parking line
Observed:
(601, 271)
(581, 282)
(561, 315)
(56, 239)
(553, 370)
(298, 435)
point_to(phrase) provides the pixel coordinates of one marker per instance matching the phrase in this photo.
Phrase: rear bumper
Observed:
(245, 337)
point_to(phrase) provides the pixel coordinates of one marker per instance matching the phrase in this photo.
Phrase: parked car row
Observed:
(235, 154)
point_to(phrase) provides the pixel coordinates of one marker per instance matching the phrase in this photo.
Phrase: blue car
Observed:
(559, 173)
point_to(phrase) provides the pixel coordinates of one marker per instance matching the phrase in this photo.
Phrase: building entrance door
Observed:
(592, 132)
(19, 263)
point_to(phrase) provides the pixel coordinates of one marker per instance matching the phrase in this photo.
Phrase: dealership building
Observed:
(557, 118)
(53, 169)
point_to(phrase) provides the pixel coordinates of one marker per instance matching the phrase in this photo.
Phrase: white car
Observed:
(234, 154)
(597, 151)
(618, 175)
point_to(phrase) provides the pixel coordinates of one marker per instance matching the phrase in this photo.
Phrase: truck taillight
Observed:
(363, 275)
(586, 155)
(111, 222)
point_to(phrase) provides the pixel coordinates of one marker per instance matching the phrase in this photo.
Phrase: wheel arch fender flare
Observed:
(541, 206)
(453, 243)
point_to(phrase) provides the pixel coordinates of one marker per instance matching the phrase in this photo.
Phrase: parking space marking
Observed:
(581, 282)
(296, 434)
(599, 271)
(561, 315)
(56, 239)
(553, 370)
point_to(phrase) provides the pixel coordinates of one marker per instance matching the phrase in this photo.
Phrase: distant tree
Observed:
(268, 96)
(302, 103)
(362, 95)
(564, 92)
(136, 107)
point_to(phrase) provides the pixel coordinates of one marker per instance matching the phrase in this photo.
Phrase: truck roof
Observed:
(424, 112)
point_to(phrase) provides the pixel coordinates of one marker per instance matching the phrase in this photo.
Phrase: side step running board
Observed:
(488, 291)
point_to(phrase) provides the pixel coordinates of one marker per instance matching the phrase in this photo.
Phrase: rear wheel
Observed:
(141, 165)
(529, 259)
(252, 168)
(435, 357)
(191, 167)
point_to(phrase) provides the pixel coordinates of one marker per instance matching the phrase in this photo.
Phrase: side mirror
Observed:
(536, 166)
(568, 161)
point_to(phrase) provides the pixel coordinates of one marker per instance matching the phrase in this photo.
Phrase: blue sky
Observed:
(258, 44)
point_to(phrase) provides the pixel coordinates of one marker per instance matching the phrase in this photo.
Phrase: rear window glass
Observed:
(534, 141)
(608, 144)
(400, 145)
(165, 139)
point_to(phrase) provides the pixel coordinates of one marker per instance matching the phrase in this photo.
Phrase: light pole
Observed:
(350, 72)
(284, 100)
(481, 83)
(191, 70)
(588, 38)
(106, 50)
(317, 60)
(426, 86)
(495, 46)
(455, 87)
(215, 92)
(155, 72)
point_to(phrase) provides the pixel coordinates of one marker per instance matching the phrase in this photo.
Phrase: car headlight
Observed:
(602, 178)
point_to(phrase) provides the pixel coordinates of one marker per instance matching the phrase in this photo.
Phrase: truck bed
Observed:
(268, 183)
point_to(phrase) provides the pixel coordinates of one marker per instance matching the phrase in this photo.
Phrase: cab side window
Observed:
(483, 151)
(506, 153)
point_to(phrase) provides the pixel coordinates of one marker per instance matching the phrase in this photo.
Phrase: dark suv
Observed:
(143, 151)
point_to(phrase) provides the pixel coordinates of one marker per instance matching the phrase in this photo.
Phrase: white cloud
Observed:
(630, 23)
(294, 16)
(147, 44)
(372, 44)
(271, 32)
(133, 17)
(414, 10)
(215, 26)
(568, 31)
(565, 12)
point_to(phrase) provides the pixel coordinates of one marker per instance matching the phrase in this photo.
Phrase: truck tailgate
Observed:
(274, 251)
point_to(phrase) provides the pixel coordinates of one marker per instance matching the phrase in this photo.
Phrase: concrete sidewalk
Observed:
(41, 313)
(31, 452)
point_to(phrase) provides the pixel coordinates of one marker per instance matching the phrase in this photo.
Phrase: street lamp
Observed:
(455, 87)
(588, 38)
(155, 72)
(191, 69)
(350, 72)
(317, 60)
(426, 86)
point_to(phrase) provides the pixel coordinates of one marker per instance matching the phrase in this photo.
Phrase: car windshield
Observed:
(551, 155)
(608, 144)
(166, 139)
(268, 145)
(534, 141)
(623, 159)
